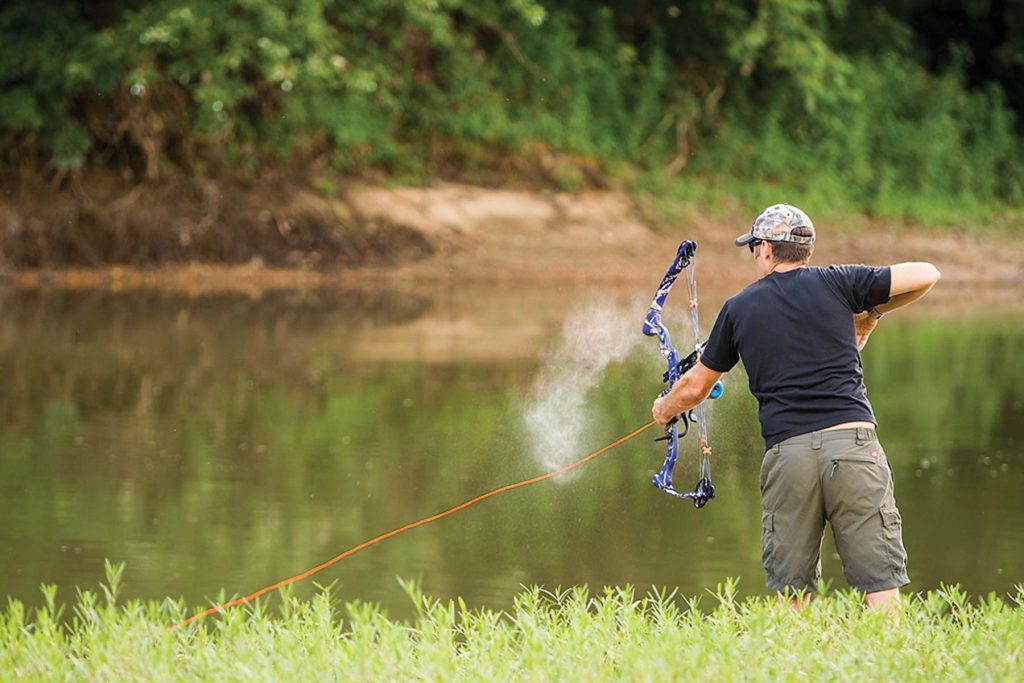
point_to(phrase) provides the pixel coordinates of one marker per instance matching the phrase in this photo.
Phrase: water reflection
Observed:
(230, 441)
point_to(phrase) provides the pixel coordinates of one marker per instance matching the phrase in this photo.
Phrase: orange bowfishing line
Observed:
(413, 525)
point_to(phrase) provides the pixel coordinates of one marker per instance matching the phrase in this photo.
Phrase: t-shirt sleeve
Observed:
(720, 353)
(862, 287)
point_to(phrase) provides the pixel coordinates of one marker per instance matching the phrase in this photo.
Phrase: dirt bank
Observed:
(271, 234)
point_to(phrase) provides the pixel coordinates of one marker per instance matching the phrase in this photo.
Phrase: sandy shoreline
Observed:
(514, 237)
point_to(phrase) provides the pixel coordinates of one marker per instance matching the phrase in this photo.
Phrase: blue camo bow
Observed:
(653, 327)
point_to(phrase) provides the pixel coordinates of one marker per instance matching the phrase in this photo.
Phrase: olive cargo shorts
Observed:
(840, 476)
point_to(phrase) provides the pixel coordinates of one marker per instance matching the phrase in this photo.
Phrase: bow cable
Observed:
(702, 422)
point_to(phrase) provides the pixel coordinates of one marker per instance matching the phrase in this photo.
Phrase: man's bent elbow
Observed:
(912, 277)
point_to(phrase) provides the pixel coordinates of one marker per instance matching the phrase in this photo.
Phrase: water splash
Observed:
(557, 417)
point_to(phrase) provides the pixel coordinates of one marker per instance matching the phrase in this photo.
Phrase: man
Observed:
(799, 331)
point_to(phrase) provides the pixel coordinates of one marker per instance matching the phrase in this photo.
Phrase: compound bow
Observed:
(654, 327)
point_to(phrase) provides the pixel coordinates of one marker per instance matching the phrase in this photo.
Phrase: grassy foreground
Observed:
(565, 635)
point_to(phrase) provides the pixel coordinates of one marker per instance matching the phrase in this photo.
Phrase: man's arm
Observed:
(908, 282)
(689, 390)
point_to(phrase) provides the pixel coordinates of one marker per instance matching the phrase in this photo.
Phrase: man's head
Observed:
(786, 230)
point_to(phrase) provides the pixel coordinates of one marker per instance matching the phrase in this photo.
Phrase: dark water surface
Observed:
(229, 441)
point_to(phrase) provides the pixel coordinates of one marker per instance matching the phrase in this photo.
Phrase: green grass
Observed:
(669, 201)
(547, 636)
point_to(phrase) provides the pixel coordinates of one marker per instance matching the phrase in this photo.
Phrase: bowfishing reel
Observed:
(685, 364)
(688, 417)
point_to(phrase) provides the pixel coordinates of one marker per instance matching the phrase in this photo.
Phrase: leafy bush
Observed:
(793, 93)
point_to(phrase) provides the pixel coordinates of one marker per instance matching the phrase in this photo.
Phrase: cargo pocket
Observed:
(852, 460)
(768, 543)
(892, 525)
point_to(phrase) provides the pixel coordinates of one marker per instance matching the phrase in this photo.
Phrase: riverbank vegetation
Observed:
(556, 635)
(906, 111)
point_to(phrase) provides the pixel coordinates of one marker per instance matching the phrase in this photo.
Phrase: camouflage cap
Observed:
(776, 224)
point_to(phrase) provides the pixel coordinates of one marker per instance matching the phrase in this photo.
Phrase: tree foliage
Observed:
(869, 99)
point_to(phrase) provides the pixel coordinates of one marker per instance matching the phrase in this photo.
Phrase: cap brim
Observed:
(744, 240)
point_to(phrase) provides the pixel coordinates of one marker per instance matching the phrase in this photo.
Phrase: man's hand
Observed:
(863, 324)
(663, 412)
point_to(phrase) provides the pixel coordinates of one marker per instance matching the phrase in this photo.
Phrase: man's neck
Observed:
(785, 267)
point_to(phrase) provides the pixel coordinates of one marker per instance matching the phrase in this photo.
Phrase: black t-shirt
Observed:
(794, 332)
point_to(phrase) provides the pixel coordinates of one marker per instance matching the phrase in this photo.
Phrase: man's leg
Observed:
(860, 505)
(793, 518)
(796, 602)
(883, 600)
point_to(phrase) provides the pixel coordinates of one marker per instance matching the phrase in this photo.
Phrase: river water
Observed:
(227, 441)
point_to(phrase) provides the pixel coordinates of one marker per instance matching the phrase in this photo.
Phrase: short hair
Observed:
(791, 252)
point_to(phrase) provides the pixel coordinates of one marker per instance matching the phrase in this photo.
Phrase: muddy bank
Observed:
(197, 235)
(277, 222)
